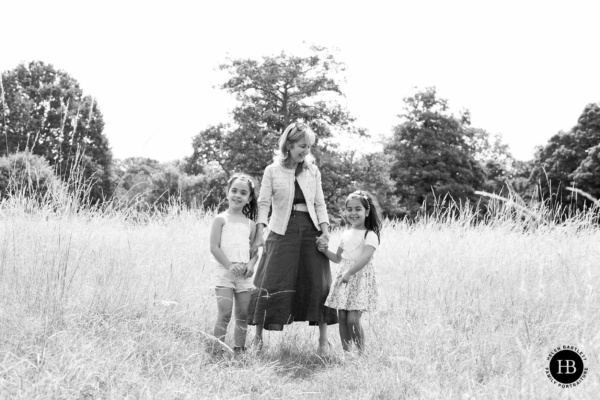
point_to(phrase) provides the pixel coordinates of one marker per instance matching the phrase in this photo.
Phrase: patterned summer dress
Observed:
(362, 292)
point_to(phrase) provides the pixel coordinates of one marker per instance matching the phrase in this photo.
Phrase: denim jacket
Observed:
(277, 188)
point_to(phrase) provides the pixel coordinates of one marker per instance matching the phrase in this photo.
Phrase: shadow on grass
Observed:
(298, 363)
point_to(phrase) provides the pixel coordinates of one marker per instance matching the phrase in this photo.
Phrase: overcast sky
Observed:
(525, 69)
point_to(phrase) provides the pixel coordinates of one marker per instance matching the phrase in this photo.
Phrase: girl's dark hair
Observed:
(369, 202)
(251, 209)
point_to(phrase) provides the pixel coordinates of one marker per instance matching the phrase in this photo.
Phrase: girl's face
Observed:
(356, 213)
(298, 151)
(238, 194)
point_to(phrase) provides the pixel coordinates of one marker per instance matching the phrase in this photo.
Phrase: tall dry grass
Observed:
(105, 303)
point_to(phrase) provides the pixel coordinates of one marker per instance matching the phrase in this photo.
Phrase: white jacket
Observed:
(277, 188)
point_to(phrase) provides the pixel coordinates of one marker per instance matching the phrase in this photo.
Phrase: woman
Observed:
(293, 277)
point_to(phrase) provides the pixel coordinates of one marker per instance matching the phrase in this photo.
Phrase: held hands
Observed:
(242, 270)
(323, 243)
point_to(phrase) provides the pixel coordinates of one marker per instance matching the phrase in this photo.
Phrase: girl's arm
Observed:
(215, 242)
(335, 257)
(360, 263)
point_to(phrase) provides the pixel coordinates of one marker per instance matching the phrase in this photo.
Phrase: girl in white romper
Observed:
(231, 233)
(355, 288)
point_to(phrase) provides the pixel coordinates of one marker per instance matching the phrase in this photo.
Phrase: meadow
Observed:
(113, 304)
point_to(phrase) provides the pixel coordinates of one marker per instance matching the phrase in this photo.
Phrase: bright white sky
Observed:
(525, 69)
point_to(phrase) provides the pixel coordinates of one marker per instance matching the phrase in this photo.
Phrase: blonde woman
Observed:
(293, 278)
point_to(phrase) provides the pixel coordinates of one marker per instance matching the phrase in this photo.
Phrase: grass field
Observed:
(100, 305)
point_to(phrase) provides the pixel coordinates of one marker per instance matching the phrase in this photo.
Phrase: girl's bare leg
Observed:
(344, 330)
(224, 308)
(356, 331)
(242, 301)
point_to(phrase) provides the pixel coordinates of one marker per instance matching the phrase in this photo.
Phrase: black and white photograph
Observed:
(299, 200)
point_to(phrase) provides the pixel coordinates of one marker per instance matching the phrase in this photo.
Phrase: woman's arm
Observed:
(249, 270)
(360, 263)
(264, 204)
(265, 197)
(215, 242)
(320, 206)
(334, 257)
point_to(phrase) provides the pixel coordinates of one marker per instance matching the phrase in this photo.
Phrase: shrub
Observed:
(28, 175)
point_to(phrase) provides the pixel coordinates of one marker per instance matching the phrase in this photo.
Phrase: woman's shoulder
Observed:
(272, 166)
(311, 167)
(275, 168)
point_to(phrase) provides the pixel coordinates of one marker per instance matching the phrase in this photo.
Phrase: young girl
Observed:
(354, 289)
(231, 233)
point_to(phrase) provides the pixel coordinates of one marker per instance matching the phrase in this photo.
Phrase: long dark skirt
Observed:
(292, 279)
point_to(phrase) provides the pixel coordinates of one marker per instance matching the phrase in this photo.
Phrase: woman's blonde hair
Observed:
(292, 134)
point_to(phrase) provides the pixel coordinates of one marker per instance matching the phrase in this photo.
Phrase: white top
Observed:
(235, 241)
(354, 241)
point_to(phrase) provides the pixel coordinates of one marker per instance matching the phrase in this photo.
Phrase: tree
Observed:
(273, 92)
(147, 184)
(45, 112)
(434, 153)
(494, 157)
(28, 175)
(587, 174)
(349, 171)
(569, 159)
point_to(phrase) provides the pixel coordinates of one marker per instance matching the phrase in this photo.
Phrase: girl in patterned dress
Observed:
(355, 288)
(231, 233)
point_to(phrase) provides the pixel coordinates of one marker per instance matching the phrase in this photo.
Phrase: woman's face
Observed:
(298, 151)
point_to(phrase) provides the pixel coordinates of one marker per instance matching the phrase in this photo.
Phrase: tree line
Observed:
(432, 155)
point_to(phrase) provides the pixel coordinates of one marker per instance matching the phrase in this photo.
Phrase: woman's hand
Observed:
(322, 247)
(259, 241)
(323, 241)
(249, 271)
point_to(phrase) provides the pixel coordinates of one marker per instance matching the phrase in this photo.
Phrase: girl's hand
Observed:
(323, 241)
(249, 271)
(346, 278)
(321, 247)
(238, 269)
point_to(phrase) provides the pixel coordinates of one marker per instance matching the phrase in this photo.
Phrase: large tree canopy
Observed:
(45, 112)
(273, 92)
(570, 159)
(434, 153)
